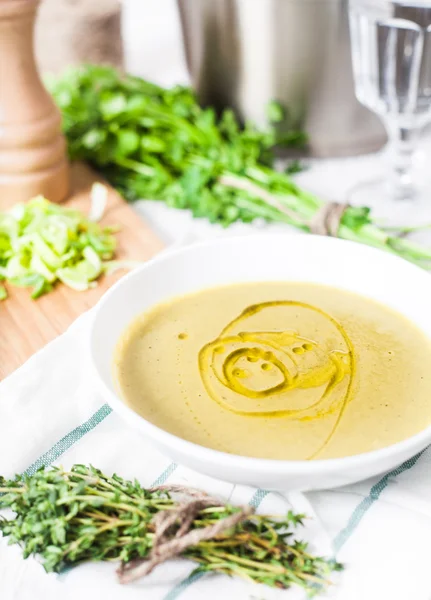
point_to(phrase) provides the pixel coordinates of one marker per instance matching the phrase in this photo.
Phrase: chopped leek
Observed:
(42, 242)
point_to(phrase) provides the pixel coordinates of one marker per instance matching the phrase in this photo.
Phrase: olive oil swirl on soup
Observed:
(277, 370)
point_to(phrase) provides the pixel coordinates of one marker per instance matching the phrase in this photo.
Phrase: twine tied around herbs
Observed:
(169, 542)
(326, 221)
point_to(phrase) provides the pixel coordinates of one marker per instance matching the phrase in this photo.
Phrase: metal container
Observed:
(244, 53)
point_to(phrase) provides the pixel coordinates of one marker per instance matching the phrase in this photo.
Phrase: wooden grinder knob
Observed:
(32, 148)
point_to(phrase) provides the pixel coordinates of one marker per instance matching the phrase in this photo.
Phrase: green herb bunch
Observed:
(68, 517)
(156, 143)
(159, 143)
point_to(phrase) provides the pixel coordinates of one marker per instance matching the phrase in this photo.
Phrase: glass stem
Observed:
(401, 148)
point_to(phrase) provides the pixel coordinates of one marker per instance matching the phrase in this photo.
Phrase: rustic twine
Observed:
(166, 543)
(328, 218)
(326, 221)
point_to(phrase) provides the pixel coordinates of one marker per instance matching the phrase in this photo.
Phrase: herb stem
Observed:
(70, 517)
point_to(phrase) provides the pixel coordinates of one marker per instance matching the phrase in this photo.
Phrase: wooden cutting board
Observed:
(26, 325)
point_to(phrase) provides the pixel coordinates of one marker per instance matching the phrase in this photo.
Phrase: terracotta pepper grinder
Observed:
(32, 148)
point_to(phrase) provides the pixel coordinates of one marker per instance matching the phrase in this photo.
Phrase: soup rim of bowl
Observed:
(414, 444)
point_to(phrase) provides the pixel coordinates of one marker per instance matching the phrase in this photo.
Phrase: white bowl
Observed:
(346, 265)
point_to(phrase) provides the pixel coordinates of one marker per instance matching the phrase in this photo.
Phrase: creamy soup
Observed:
(278, 370)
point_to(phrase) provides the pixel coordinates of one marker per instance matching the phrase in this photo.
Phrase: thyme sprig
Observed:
(69, 517)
